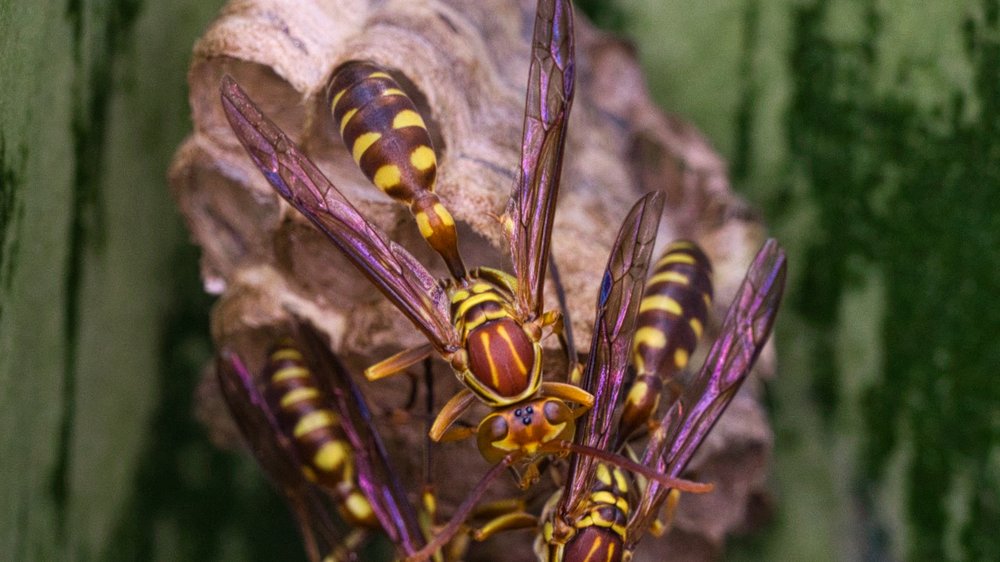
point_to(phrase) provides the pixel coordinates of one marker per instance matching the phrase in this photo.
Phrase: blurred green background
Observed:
(868, 132)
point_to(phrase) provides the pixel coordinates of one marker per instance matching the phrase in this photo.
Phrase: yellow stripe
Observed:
(297, 395)
(679, 245)
(661, 302)
(363, 143)
(622, 504)
(604, 497)
(443, 215)
(620, 484)
(637, 361)
(424, 224)
(650, 337)
(379, 74)
(594, 547)
(696, 327)
(393, 92)
(502, 330)
(331, 456)
(473, 322)
(407, 118)
(282, 375)
(675, 258)
(313, 421)
(484, 338)
(357, 505)
(286, 354)
(481, 287)
(459, 295)
(603, 475)
(681, 358)
(347, 117)
(472, 301)
(336, 98)
(669, 277)
(638, 391)
(387, 176)
(611, 551)
(423, 158)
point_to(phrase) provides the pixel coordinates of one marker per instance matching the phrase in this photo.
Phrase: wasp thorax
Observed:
(502, 358)
(595, 543)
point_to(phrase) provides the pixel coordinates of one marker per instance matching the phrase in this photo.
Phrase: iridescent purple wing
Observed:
(391, 268)
(376, 477)
(614, 326)
(745, 330)
(276, 454)
(533, 202)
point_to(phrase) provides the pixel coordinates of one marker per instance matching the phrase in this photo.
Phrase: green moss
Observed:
(868, 133)
(11, 214)
(907, 185)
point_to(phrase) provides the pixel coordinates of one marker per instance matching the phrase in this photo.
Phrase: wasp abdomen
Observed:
(671, 319)
(389, 140)
(315, 430)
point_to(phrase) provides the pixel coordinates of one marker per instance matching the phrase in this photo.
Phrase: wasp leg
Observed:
(398, 362)
(569, 393)
(450, 413)
(661, 525)
(506, 522)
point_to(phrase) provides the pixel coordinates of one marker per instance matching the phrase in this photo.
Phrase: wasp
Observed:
(311, 431)
(672, 316)
(486, 323)
(618, 306)
(601, 513)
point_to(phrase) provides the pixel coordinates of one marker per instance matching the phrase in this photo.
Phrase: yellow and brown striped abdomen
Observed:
(388, 139)
(305, 417)
(601, 525)
(671, 319)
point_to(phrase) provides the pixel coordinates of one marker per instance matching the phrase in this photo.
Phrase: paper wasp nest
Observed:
(465, 64)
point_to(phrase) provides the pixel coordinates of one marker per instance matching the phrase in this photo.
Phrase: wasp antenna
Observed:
(681, 484)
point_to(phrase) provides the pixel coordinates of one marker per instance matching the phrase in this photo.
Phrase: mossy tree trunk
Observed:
(99, 457)
(868, 133)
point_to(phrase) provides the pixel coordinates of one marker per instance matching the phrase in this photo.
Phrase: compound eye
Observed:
(492, 429)
(498, 428)
(557, 412)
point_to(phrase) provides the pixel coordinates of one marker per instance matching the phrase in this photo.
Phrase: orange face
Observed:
(525, 427)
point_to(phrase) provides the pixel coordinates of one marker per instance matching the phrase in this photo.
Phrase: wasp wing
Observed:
(277, 456)
(532, 205)
(614, 326)
(392, 269)
(745, 330)
(376, 477)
